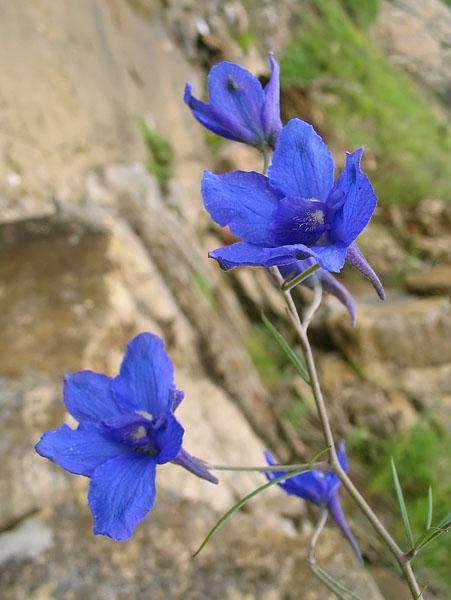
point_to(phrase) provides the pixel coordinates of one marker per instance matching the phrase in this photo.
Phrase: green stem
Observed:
(404, 565)
(289, 284)
(322, 466)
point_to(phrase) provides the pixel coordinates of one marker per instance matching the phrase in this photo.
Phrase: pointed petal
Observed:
(145, 378)
(243, 201)
(237, 93)
(121, 493)
(79, 451)
(214, 120)
(189, 463)
(355, 258)
(302, 166)
(272, 125)
(360, 202)
(342, 458)
(88, 397)
(337, 289)
(176, 398)
(337, 514)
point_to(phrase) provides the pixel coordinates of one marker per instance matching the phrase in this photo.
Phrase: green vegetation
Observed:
(161, 154)
(267, 355)
(245, 40)
(421, 455)
(204, 287)
(370, 102)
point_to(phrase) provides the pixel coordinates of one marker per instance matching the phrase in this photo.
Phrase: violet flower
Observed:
(319, 488)
(297, 211)
(239, 108)
(126, 428)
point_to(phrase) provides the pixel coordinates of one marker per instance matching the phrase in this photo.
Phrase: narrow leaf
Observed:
(431, 534)
(402, 504)
(422, 591)
(246, 499)
(242, 502)
(335, 583)
(300, 369)
(429, 519)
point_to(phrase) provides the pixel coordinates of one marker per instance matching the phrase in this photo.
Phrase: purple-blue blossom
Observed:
(321, 489)
(296, 211)
(328, 282)
(126, 428)
(239, 108)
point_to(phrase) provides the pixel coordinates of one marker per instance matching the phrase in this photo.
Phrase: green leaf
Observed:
(432, 533)
(300, 369)
(429, 519)
(402, 504)
(336, 584)
(246, 499)
(422, 591)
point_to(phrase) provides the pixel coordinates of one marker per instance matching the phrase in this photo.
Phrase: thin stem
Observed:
(318, 529)
(289, 284)
(328, 437)
(317, 297)
(321, 466)
(312, 550)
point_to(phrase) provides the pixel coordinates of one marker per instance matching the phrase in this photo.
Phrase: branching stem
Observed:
(300, 328)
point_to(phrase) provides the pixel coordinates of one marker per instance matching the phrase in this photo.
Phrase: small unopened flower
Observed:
(126, 428)
(321, 489)
(239, 108)
(297, 211)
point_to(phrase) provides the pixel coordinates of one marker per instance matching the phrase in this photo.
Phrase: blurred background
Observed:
(103, 235)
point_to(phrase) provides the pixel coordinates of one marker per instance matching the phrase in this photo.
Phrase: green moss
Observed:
(421, 455)
(374, 105)
(161, 154)
(245, 40)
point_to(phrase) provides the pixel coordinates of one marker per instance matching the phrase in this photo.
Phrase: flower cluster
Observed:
(126, 428)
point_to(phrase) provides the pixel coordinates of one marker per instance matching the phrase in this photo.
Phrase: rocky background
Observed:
(103, 235)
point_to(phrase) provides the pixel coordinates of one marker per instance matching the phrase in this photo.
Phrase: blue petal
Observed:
(302, 166)
(79, 451)
(169, 440)
(355, 258)
(121, 493)
(241, 254)
(176, 398)
(272, 125)
(342, 459)
(145, 378)
(243, 201)
(310, 486)
(337, 514)
(360, 200)
(237, 93)
(88, 397)
(214, 120)
(298, 221)
(192, 465)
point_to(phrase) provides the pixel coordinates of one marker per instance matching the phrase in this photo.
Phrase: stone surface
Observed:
(249, 558)
(434, 281)
(416, 35)
(407, 332)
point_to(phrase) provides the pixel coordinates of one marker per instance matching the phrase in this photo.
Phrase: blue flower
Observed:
(126, 428)
(297, 211)
(319, 488)
(328, 281)
(239, 108)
